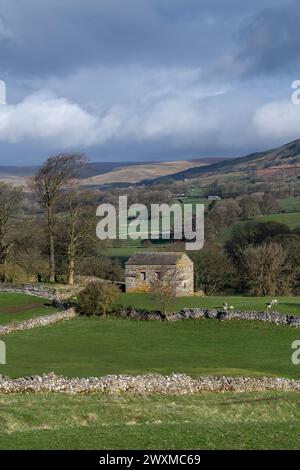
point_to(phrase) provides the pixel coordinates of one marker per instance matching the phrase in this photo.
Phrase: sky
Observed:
(145, 80)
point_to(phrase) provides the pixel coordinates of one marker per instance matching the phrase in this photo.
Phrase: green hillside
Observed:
(286, 155)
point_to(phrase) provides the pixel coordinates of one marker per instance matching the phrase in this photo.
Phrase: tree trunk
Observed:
(72, 253)
(4, 252)
(71, 268)
(51, 244)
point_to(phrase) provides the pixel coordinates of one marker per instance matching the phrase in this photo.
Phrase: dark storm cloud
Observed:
(54, 37)
(269, 41)
(147, 79)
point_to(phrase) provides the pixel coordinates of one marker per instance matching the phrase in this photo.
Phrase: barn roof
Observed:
(155, 258)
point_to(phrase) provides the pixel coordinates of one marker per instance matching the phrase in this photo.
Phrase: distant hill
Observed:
(100, 168)
(135, 173)
(101, 173)
(17, 170)
(90, 169)
(284, 159)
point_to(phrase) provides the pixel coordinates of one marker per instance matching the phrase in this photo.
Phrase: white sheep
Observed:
(231, 307)
(225, 306)
(269, 307)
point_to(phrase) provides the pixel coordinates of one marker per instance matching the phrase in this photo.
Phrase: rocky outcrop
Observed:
(37, 322)
(198, 313)
(174, 384)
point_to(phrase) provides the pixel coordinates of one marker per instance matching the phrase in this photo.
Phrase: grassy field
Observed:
(208, 421)
(101, 346)
(128, 247)
(18, 307)
(290, 204)
(291, 219)
(289, 305)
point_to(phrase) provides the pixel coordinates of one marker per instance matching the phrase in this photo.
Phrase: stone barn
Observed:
(145, 271)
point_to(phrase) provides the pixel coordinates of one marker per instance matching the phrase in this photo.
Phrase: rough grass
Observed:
(99, 346)
(290, 305)
(207, 421)
(19, 307)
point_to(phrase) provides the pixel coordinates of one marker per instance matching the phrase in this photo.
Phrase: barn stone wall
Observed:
(184, 271)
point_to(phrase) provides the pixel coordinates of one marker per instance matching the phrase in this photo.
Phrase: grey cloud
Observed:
(52, 37)
(269, 41)
(146, 79)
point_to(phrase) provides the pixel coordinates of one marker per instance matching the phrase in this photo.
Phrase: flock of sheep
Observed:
(227, 307)
(269, 306)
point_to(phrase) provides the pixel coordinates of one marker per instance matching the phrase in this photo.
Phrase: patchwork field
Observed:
(18, 307)
(102, 346)
(291, 219)
(209, 421)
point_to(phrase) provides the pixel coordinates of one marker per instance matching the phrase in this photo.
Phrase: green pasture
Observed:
(18, 307)
(266, 420)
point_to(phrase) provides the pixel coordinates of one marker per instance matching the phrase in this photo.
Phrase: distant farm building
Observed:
(144, 272)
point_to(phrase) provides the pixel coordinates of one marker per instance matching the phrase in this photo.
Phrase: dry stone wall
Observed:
(198, 313)
(38, 322)
(174, 384)
(59, 295)
(37, 290)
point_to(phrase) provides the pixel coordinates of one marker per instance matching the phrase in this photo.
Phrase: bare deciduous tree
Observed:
(212, 269)
(10, 199)
(164, 285)
(78, 228)
(266, 269)
(55, 174)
